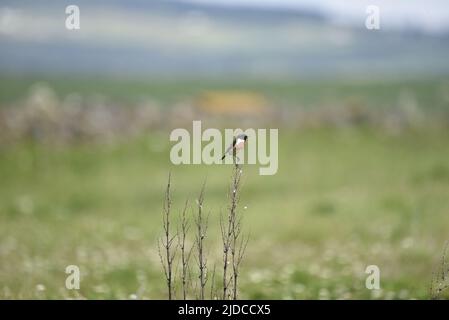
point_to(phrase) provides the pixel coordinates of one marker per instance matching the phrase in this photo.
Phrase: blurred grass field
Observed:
(431, 92)
(343, 198)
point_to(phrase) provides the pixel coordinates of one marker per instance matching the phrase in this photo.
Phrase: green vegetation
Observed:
(342, 199)
(433, 94)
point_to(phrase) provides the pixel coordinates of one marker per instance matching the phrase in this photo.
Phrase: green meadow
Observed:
(380, 93)
(342, 199)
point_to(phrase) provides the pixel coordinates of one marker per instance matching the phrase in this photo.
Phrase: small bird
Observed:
(237, 144)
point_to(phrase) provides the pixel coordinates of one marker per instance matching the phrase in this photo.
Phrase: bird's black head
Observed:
(245, 137)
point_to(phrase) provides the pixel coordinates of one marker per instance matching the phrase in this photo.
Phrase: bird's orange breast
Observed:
(240, 145)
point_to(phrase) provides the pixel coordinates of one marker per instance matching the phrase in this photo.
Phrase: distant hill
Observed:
(167, 38)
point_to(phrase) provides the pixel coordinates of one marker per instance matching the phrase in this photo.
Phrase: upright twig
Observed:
(237, 257)
(238, 247)
(185, 256)
(226, 239)
(201, 229)
(166, 242)
(234, 245)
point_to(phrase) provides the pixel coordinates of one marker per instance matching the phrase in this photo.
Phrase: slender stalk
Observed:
(226, 238)
(239, 250)
(234, 245)
(233, 224)
(165, 244)
(201, 229)
(185, 257)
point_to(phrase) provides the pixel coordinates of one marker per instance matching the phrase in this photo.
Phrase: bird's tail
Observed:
(222, 158)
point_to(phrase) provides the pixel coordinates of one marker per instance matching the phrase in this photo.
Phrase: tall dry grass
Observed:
(233, 241)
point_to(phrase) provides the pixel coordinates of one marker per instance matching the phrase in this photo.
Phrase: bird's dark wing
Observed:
(234, 141)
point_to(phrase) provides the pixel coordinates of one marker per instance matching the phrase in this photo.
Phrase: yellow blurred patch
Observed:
(232, 102)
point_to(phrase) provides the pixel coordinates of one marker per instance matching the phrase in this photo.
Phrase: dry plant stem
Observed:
(225, 235)
(237, 257)
(234, 245)
(234, 225)
(201, 228)
(166, 243)
(185, 256)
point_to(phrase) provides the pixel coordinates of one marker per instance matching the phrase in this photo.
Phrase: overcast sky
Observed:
(432, 15)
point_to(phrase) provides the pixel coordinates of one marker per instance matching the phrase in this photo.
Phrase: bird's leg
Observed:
(237, 161)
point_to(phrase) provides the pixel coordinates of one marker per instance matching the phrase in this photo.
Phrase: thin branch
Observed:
(185, 257)
(234, 245)
(201, 229)
(225, 234)
(166, 242)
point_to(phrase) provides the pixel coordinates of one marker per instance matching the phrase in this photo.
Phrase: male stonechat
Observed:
(237, 144)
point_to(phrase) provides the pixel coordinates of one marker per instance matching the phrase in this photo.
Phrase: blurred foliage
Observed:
(341, 200)
(432, 93)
